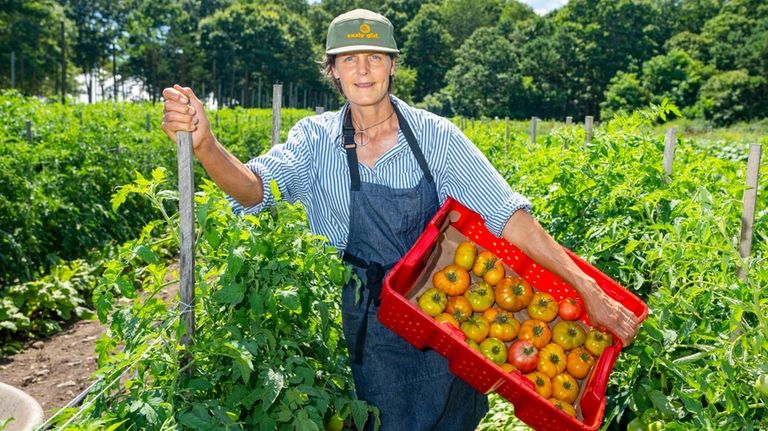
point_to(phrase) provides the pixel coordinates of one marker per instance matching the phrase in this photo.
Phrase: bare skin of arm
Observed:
(604, 312)
(183, 111)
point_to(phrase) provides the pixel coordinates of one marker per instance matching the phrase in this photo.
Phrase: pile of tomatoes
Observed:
(513, 326)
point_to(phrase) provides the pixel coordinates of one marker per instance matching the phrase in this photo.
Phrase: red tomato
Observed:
(569, 309)
(523, 355)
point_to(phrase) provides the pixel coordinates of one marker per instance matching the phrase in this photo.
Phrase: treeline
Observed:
(467, 57)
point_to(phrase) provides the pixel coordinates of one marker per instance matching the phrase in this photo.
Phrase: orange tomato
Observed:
(535, 331)
(552, 360)
(465, 255)
(489, 267)
(541, 383)
(579, 362)
(447, 318)
(513, 293)
(508, 368)
(453, 280)
(459, 307)
(543, 307)
(565, 388)
(567, 408)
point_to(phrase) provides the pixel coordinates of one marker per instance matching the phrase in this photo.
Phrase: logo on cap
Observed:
(365, 28)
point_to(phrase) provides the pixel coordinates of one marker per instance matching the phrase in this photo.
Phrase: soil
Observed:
(57, 369)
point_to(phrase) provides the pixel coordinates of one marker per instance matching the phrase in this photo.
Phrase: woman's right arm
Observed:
(183, 111)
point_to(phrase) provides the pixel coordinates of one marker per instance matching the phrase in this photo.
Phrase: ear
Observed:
(392, 66)
(334, 71)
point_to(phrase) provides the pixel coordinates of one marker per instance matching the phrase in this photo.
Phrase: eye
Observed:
(376, 58)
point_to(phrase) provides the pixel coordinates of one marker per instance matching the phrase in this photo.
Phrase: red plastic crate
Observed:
(452, 224)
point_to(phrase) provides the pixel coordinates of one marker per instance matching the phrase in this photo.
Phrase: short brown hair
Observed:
(328, 63)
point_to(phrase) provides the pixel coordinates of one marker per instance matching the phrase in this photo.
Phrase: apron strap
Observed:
(374, 274)
(348, 140)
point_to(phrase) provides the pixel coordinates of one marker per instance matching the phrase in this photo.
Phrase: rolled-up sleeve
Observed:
(473, 181)
(288, 165)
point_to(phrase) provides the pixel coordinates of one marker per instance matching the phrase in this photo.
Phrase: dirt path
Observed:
(56, 369)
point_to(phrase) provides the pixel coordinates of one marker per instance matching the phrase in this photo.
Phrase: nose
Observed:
(362, 65)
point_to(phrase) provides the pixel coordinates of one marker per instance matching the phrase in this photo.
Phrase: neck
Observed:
(364, 116)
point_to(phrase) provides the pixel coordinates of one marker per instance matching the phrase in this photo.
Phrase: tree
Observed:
(30, 29)
(733, 96)
(427, 49)
(462, 17)
(624, 93)
(486, 78)
(674, 76)
(725, 36)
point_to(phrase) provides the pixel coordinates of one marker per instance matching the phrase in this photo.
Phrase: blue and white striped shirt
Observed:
(311, 167)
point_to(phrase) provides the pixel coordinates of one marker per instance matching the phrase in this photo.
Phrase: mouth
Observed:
(364, 84)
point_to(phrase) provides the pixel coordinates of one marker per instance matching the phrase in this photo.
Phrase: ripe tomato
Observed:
(552, 360)
(459, 307)
(475, 328)
(480, 295)
(489, 267)
(535, 331)
(523, 355)
(569, 309)
(492, 313)
(433, 301)
(543, 307)
(565, 388)
(453, 280)
(541, 383)
(579, 362)
(465, 255)
(567, 408)
(447, 318)
(597, 341)
(568, 335)
(494, 349)
(513, 293)
(508, 368)
(505, 327)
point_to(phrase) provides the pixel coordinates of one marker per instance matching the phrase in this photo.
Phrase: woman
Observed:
(370, 177)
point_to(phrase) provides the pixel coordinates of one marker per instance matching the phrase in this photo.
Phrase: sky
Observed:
(543, 6)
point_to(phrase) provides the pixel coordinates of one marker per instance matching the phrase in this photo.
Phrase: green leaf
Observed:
(661, 402)
(145, 253)
(275, 189)
(232, 293)
(274, 383)
(290, 298)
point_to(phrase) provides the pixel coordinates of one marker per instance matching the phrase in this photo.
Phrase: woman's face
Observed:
(364, 76)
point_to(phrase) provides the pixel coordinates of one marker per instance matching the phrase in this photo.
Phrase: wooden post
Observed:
(148, 126)
(748, 211)
(568, 120)
(506, 136)
(63, 66)
(534, 122)
(319, 110)
(13, 69)
(669, 149)
(187, 246)
(588, 122)
(277, 91)
(28, 126)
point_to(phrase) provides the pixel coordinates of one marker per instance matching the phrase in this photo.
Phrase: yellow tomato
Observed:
(567, 408)
(447, 318)
(543, 307)
(489, 267)
(465, 255)
(565, 388)
(542, 384)
(579, 362)
(552, 360)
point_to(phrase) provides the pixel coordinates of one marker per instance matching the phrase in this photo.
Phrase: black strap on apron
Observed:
(374, 271)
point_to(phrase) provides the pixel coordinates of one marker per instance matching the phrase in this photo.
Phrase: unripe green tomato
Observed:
(655, 426)
(636, 424)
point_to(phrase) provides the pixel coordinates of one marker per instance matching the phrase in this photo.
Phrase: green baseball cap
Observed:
(360, 30)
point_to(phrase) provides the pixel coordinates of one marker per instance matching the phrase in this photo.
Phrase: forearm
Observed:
(230, 174)
(526, 233)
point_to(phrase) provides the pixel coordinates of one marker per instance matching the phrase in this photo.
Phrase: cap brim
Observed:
(354, 48)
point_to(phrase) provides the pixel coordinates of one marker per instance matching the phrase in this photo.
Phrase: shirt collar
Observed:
(336, 124)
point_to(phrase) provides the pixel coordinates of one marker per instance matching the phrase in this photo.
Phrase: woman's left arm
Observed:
(605, 313)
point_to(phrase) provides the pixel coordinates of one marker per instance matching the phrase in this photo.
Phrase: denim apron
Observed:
(412, 389)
